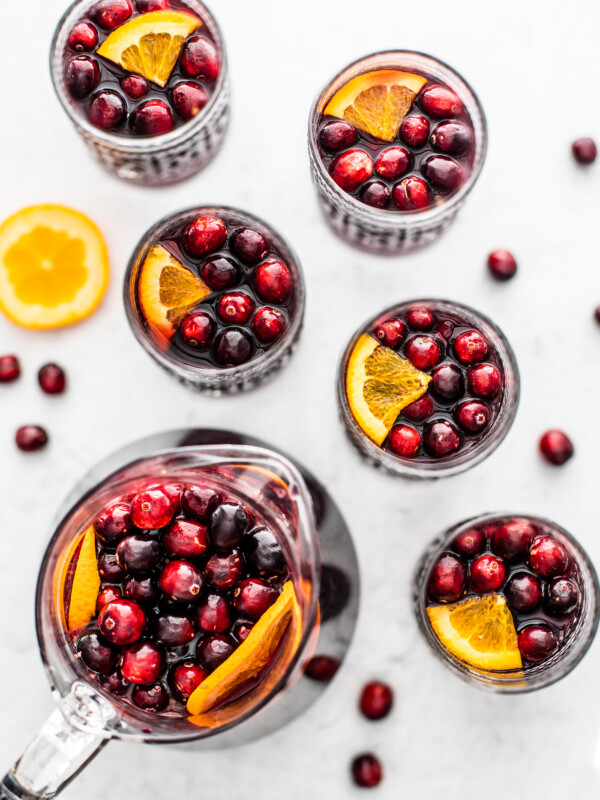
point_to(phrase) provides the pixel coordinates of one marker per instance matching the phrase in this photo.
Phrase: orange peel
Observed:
(81, 591)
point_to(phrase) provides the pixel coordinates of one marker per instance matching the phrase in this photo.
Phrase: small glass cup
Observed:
(479, 448)
(215, 380)
(322, 565)
(570, 651)
(384, 231)
(158, 160)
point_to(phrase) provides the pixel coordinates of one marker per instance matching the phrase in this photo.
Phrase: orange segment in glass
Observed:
(82, 582)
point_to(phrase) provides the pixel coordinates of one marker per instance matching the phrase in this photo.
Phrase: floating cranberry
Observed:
(253, 597)
(448, 382)
(232, 347)
(10, 369)
(184, 679)
(143, 662)
(82, 77)
(420, 410)
(214, 650)
(536, 642)
(145, 6)
(321, 668)
(107, 110)
(249, 245)
(444, 173)
(452, 138)
(470, 543)
(420, 319)
(263, 552)
(438, 101)
(411, 194)
(441, 438)
(487, 574)
(268, 325)
(97, 654)
(273, 282)
(228, 525)
(473, 416)
(336, 136)
(484, 381)
(109, 569)
(392, 162)
(135, 87)
(414, 130)
(200, 59)
(220, 273)
(548, 557)
(224, 571)
(376, 700)
(189, 99)
(181, 581)
(113, 523)
(562, 597)
(152, 509)
(376, 194)
(138, 553)
(241, 630)
(213, 614)
(556, 447)
(142, 590)
(197, 330)
(404, 441)
(83, 37)
(200, 502)
(423, 351)
(447, 579)
(174, 629)
(185, 539)
(150, 698)
(351, 169)
(122, 622)
(235, 307)
(584, 150)
(502, 264)
(523, 592)
(471, 347)
(367, 771)
(152, 118)
(446, 329)
(114, 683)
(107, 595)
(390, 332)
(30, 438)
(512, 540)
(110, 14)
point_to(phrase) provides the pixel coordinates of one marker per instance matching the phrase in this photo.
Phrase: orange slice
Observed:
(379, 384)
(376, 102)
(479, 631)
(83, 583)
(167, 290)
(149, 45)
(251, 658)
(53, 267)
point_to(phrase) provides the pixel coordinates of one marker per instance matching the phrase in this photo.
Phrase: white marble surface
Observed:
(535, 66)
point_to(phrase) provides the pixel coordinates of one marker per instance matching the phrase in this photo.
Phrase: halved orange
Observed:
(82, 582)
(479, 631)
(251, 658)
(167, 290)
(379, 384)
(53, 267)
(149, 45)
(376, 102)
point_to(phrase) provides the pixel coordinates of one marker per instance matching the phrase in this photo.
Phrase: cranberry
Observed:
(404, 441)
(376, 194)
(200, 502)
(110, 14)
(263, 552)
(213, 614)
(376, 700)
(30, 438)
(220, 273)
(523, 592)
(83, 37)
(268, 325)
(367, 771)
(470, 543)
(502, 264)
(452, 138)
(200, 59)
(446, 329)
(114, 683)
(420, 410)
(152, 118)
(189, 99)
(138, 553)
(423, 351)
(411, 194)
(484, 380)
(351, 169)
(548, 557)
(143, 662)
(142, 591)
(97, 654)
(107, 595)
(447, 579)
(336, 136)
(597, 314)
(122, 622)
(273, 282)
(536, 642)
(109, 569)
(235, 307)
(438, 101)
(444, 173)
(253, 597)
(321, 668)
(562, 597)
(487, 574)
(512, 540)
(471, 347)
(392, 162)
(233, 347)
(10, 369)
(185, 539)
(441, 438)
(152, 509)
(224, 571)
(249, 245)
(135, 87)
(108, 110)
(82, 77)
(181, 581)
(52, 379)
(448, 382)
(150, 698)
(414, 130)
(228, 525)
(174, 490)
(145, 6)
(113, 523)
(198, 330)
(584, 150)
(214, 650)
(420, 319)
(184, 679)
(390, 332)
(473, 416)
(556, 447)
(174, 629)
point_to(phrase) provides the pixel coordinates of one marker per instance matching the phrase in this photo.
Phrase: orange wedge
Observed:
(53, 267)
(479, 631)
(379, 384)
(376, 102)
(167, 290)
(251, 658)
(83, 582)
(149, 45)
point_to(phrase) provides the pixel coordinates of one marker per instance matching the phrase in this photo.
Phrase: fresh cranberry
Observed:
(107, 110)
(470, 543)
(249, 245)
(444, 173)
(122, 622)
(200, 502)
(336, 136)
(513, 539)
(420, 319)
(200, 59)
(10, 369)
(143, 662)
(185, 539)
(438, 101)
(523, 592)
(390, 332)
(471, 347)
(135, 87)
(562, 597)
(411, 194)
(423, 351)
(30, 438)
(181, 581)
(556, 447)
(536, 642)
(473, 416)
(220, 273)
(145, 6)
(152, 118)
(376, 700)
(484, 380)
(214, 650)
(82, 77)
(52, 379)
(447, 579)
(107, 595)
(224, 571)
(420, 410)
(446, 329)
(584, 150)
(232, 347)
(142, 590)
(321, 668)
(150, 698)
(213, 614)
(83, 37)
(268, 325)
(452, 138)
(263, 552)
(392, 162)
(110, 14)
(97, 654)
(367, 771)
(174, 490)
(184, 679)
(414, 130)
(548, 557)
(109, 569)
(351, 169)
(448, 382)
(253, 597)
(152, 509)
(174, 629)
(487, 574)
(204, 235)
(441, 438)
(273, 282)
(138, 553)
(189, 99)
(235, 307)
(113, 523)
(114, 683)
(228, 525)
(197, 330)
(376, 194)
(502, 264)
(404, 441)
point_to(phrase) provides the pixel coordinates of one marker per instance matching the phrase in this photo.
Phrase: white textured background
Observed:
(535, 65)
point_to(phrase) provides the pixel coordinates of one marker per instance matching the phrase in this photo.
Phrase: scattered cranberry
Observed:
(184, 679)
(145, 6)
(224, 571)
(452, 138)
(471, 347)
(420, 410)
(392, 162)
(113, 523)
(30, 438)
(411, 194)
(82, 77)
(174, 629)
(367, 771)
(220, 273)
(536, 642)
(404, 441)
(376, 700)
(444, 173)
(584, 150)
(135, 87)
(523, 592)
(213, 614)
(414, 130)
(441, 438)
(562, 597)
(470, 543)
(138, 553)
(200, 59)
(376, 194)
(321, 668)
(447, 579)
(122, 622)
(484, 381)
(198, 330)
(487, 574)
(106, 596)
(423, 351)
(111, 14)
(249, 245)
(152, 118)
(420, 319)
(273, 282)
(241, 630)
(142, 590)
(204, 235)
(268, 325)
(502, 264)
(391, 332)
(150, 698)
(185, 539)
(232, 347)
(143, 662)
(52, 379)
(181, 581)
(109, 569)
(337, 136)
(214, 650)
(448, 382)
(556, 447)
(473, 416)
(83, 37)
(253, 597)
(200, 502)
(10, 369)
(152, 509)
(189, 99)
(352, 169)
(235, 307)
(438, 101)
(548, 557)
(107, 110)
(512, 540)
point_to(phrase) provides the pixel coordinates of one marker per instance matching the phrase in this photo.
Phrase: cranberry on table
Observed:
(351, 169)
(487, 574)
(411, 194)
(122, 622)
(220, 272)
(235, 307)
(484, 381)
(213, 614)
(135, 87)
(444, 173)
(249, 245)
(376, 700)
(392, 162)
(404, 441)
(110, 14)
(336, 136)
(414, 130)
(143, 662)
(452, 138)
(30, 438)
(548, 558)
(441, 438)
(189, 99)
(198, 330)
(107, 110)
(200, 502)
(471, 347)
(556, 447)
(109, 569)
(367, 771)
(273, 282)
(321, 668)
(512, 540)
(420, 319)
(10, 369)
(152, 118)
(150, 698)
(263, 552)
(52, 379)
(470, 543)
(97, 654)
(502, 264)
(82, 77)
(212, 651)
(232, 347)
(536, 642)
(448, 382)
(83, 36)
(523, 592)
(420, 410)
(181, 581)
(376, 194)
(253, 597)
(438, 101)
(473, 416)
(228, 525)
(268, 325)
(200, 59)
(562, 597)
(224, 571)
(174, 629)
(184, 679)
(447, 579)
(185, 538)
(584, 150)
(390, 332)
(423, 351)
(142, 590)
(152, 509)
